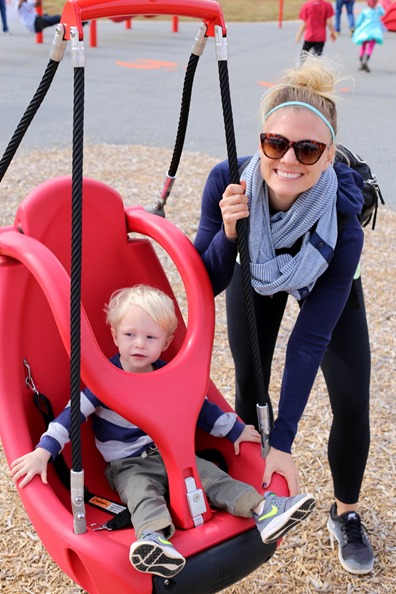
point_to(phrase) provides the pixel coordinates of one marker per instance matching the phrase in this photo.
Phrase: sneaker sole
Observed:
(355, 571)
(282, 524)
(151, 558)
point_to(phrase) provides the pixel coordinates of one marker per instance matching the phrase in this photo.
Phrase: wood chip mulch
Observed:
(305, 563)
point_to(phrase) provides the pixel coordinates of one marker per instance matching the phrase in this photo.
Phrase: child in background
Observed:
(32, 20)
(369, 31)
(142, 322)
(317, 16)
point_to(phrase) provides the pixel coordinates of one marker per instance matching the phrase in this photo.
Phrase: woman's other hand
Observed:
(234, 206)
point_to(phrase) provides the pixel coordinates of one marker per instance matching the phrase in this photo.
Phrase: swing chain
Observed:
(96, 527)
(29, 378)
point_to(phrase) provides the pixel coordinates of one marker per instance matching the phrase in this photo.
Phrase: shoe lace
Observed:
(353, 530)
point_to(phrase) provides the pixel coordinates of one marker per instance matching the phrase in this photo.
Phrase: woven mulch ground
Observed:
(305, 563)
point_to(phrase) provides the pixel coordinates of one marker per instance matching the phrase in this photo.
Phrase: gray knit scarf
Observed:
(297, 274)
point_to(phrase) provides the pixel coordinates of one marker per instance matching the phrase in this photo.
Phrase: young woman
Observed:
(304, 240)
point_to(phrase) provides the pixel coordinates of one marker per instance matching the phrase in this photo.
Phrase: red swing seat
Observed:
(34, 317)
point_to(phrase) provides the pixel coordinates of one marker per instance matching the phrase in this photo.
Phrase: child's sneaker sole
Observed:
(148, 557)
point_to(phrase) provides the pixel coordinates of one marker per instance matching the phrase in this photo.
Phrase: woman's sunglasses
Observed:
(308, 152)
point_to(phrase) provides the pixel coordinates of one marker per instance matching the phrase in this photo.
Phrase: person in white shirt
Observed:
(32, 20)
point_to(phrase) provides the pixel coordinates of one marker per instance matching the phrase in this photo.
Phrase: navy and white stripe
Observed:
(117, 438)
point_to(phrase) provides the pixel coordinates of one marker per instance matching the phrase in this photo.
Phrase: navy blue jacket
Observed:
(319, 312)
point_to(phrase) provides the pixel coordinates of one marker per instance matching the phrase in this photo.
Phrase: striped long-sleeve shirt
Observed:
(116, 437)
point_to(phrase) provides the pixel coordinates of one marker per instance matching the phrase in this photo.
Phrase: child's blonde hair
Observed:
(154, 302)
(312, 82)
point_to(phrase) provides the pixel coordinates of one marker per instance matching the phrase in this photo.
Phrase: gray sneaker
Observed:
(154, 554)
(354, 552)
(281, 514)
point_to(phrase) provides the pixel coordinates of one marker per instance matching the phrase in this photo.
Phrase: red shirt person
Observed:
(316, 16)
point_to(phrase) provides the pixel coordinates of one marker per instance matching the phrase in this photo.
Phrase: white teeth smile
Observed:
(288, 175)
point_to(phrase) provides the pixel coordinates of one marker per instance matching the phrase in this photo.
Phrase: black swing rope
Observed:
(76, 266)
(242, 225)
(242, 231)
(196, 52)
(79, 493)
(158, 207)
(184, 113)
(76, 473)
(28, 116)
(56, 55)
(121, 514)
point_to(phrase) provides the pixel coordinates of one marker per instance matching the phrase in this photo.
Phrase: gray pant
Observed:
(142, 485)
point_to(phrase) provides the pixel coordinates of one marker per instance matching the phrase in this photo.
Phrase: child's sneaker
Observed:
(154, 554)
(354, 552)
(281, 514)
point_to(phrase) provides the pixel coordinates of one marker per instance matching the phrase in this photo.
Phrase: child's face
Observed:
(140, 340)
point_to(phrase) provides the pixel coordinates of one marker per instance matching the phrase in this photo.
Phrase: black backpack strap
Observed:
(45, 407)
(353, 299)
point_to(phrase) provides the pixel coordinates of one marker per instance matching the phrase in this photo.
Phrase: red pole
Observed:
(280, 13)
(175, 24)
(92, 33)
(128, 23)
(39, 36)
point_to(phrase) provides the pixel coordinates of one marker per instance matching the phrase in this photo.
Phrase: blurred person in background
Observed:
(316, 16)
(31, 19)
(3, 13)
(349, 5)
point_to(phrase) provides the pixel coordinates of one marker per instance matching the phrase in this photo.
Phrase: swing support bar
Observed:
(77, 11)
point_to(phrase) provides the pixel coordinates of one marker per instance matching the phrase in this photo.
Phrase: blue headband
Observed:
(308, 106)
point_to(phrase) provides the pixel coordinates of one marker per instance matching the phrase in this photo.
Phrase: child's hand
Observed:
(249, 433)
(29, 465)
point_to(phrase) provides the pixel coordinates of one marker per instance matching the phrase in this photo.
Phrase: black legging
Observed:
(345, 366)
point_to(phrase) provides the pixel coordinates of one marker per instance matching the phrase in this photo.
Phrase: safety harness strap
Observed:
(121, 515)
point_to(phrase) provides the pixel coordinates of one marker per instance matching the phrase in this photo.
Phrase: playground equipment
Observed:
(73, 243)
(93, 34)
(389, 18)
